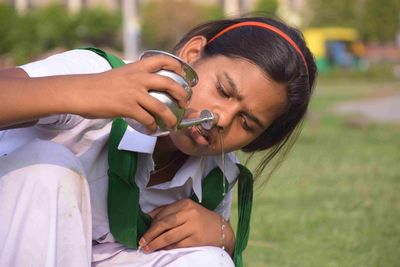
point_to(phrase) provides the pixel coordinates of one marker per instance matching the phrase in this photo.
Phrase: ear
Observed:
(193, 49)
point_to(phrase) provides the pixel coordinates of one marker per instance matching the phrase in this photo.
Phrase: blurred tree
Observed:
(375, 20)
(99, 27)
(334, 13)
(53, 28)
(29, 35)
(165, 22)
(8, 17)
(267, 6)
(380, 21)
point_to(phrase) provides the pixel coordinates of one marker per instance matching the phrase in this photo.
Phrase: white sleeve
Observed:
(77, 61)
(61, 121)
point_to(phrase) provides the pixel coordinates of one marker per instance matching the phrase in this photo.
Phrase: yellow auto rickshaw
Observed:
(335, 47)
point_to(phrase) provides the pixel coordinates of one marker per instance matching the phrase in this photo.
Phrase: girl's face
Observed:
(244, 99)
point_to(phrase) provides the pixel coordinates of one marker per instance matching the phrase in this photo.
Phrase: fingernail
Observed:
(142, 242)
(146, 249)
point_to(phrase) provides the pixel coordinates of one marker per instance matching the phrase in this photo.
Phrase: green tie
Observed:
(128, 222)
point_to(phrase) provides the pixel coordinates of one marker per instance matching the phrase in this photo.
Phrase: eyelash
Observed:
(223, 93)
(245, 125)
(221, 90)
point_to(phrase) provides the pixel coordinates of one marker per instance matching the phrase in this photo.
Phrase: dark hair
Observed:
(280, 62)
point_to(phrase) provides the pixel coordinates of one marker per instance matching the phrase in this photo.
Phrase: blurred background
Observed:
(335, 199)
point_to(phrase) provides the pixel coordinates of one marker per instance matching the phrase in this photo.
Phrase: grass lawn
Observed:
(335, 201)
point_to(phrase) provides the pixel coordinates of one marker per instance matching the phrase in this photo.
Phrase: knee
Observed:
(210, 256)
(41, 153)
(44, 166)
(44, 173)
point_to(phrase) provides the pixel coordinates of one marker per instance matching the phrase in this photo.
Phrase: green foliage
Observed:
(266, 6)
(210, 12)
(39, 31)
(376, 21)
(380, 22)
(7, 26)
(99, 27)
(333, 13)
(44, 29)
(165, 22)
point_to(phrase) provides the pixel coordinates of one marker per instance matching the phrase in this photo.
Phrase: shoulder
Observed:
(78, 61)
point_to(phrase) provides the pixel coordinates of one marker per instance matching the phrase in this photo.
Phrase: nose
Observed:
(226, 116)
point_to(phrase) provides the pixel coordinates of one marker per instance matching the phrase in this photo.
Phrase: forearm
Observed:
(120, 92)
(26, 99)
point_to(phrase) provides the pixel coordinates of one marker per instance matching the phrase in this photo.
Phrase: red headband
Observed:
(265, 26)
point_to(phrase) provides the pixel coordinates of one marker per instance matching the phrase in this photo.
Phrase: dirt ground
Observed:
(383, 109)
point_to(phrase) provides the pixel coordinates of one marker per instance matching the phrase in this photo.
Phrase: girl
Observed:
(60, 168)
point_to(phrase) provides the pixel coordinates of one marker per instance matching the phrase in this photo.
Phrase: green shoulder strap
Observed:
(245, 202)
(123, 193)
(127, 221)
(112, 60)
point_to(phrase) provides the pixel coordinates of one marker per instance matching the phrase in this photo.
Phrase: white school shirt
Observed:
(87, 139)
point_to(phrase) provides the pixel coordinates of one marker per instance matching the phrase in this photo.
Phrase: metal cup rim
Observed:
(190, 74)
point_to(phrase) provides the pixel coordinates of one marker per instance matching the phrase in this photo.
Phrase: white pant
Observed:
(113, 254)
(45, 217)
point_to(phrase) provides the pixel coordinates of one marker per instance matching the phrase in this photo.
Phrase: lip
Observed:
(200, 136)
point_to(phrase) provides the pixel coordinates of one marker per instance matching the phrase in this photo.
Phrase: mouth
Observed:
(200, 135)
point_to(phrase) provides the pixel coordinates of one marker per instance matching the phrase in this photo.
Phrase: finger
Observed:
(178, 206)
(158, 62)
(154, 212)
(144, 117)
(160, 226)
(159, 110)
(165, 84)
(168, 238)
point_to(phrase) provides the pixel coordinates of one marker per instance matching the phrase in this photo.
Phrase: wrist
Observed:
(227, 238)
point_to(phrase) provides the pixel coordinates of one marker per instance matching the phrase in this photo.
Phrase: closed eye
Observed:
(245, 124)
(221, 90)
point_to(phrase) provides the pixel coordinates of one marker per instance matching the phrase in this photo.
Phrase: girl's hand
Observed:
(124, 92)
(186, 224)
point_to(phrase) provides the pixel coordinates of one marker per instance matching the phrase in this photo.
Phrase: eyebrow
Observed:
(237, 95)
